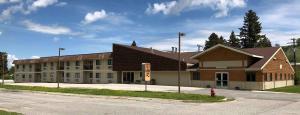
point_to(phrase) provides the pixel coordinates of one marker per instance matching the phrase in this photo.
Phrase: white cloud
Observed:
(9, 1)
(94, 16)
(176, 7)
(35, 57)
(10, 59)
(54, 29)
(24, 7)
(61, 4)
(6, 13)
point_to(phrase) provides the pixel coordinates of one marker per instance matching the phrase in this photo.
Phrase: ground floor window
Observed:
(195, 75)
(251, 76)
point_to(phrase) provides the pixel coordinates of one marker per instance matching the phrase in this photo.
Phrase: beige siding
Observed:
(170, 78)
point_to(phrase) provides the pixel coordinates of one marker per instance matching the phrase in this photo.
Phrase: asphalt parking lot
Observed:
(246, 103)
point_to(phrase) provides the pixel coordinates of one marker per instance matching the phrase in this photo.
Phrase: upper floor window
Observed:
(68, 63)
(17, 66)
(195, 75)
(30, 66)
(98, 62)
(45, 64)
(52, 64)
(77, 63)
(23, 66)
(251, 76)
(109, 62)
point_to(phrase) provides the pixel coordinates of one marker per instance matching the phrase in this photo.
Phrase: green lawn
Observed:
(107, 92)
(289, 89)
(2, 112)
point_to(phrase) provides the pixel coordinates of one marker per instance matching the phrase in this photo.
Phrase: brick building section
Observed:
(274, 64)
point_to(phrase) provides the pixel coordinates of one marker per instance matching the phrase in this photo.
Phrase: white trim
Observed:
(220, 45)
(273, 57)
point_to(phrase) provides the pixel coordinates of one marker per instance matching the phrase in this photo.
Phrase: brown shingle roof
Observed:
(266, 52)
(185, 56)
(104, 55)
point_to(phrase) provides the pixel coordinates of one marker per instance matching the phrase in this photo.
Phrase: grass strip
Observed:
(108, 92)
(2, 112)
(288, 89)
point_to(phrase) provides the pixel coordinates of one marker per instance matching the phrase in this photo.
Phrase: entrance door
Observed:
(128, 77)
(222, 79)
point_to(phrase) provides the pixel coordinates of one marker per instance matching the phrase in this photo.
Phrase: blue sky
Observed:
(35, 28)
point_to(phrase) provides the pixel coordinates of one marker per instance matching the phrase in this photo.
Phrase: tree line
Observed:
(249, 37)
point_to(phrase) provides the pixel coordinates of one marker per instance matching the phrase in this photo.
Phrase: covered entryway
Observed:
(222, 79)
(128, 77)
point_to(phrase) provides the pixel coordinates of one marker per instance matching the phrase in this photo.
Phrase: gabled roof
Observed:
(185, 56)
(267, 52)
(230, 48)
(263, 54)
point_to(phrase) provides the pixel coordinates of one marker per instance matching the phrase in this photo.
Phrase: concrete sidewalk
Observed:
(131, 87)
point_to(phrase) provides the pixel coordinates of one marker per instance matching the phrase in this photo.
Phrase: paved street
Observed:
(49, 103)
(247, 102)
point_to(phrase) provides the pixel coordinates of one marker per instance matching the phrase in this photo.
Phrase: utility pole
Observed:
(295, 60)
(179, 59)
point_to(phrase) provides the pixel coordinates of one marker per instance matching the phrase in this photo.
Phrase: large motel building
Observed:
(220, 66)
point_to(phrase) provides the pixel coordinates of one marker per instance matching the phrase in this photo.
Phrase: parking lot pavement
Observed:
(61, 104)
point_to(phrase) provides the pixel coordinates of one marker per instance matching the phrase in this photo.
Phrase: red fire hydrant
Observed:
(212, 92)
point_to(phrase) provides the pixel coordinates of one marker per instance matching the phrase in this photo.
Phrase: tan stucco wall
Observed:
(277, 84)
(170, 78)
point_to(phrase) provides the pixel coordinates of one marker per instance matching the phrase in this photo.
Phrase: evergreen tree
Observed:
(298, 42)
(133, 43)
(250, 31)
(234, 41)
(3, 58)
(213, 39)
(264, 42)
(222, 40)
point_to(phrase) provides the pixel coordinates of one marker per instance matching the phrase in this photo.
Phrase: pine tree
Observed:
(222, 40)
(250, 31)
(298, 42)
(213, 39)
(234, 41)
(133, 43)
(264, 42)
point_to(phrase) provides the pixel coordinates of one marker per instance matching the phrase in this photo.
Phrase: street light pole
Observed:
(58, 72)
(179, 59)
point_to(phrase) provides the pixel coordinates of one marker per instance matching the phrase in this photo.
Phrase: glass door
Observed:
(222, 79)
